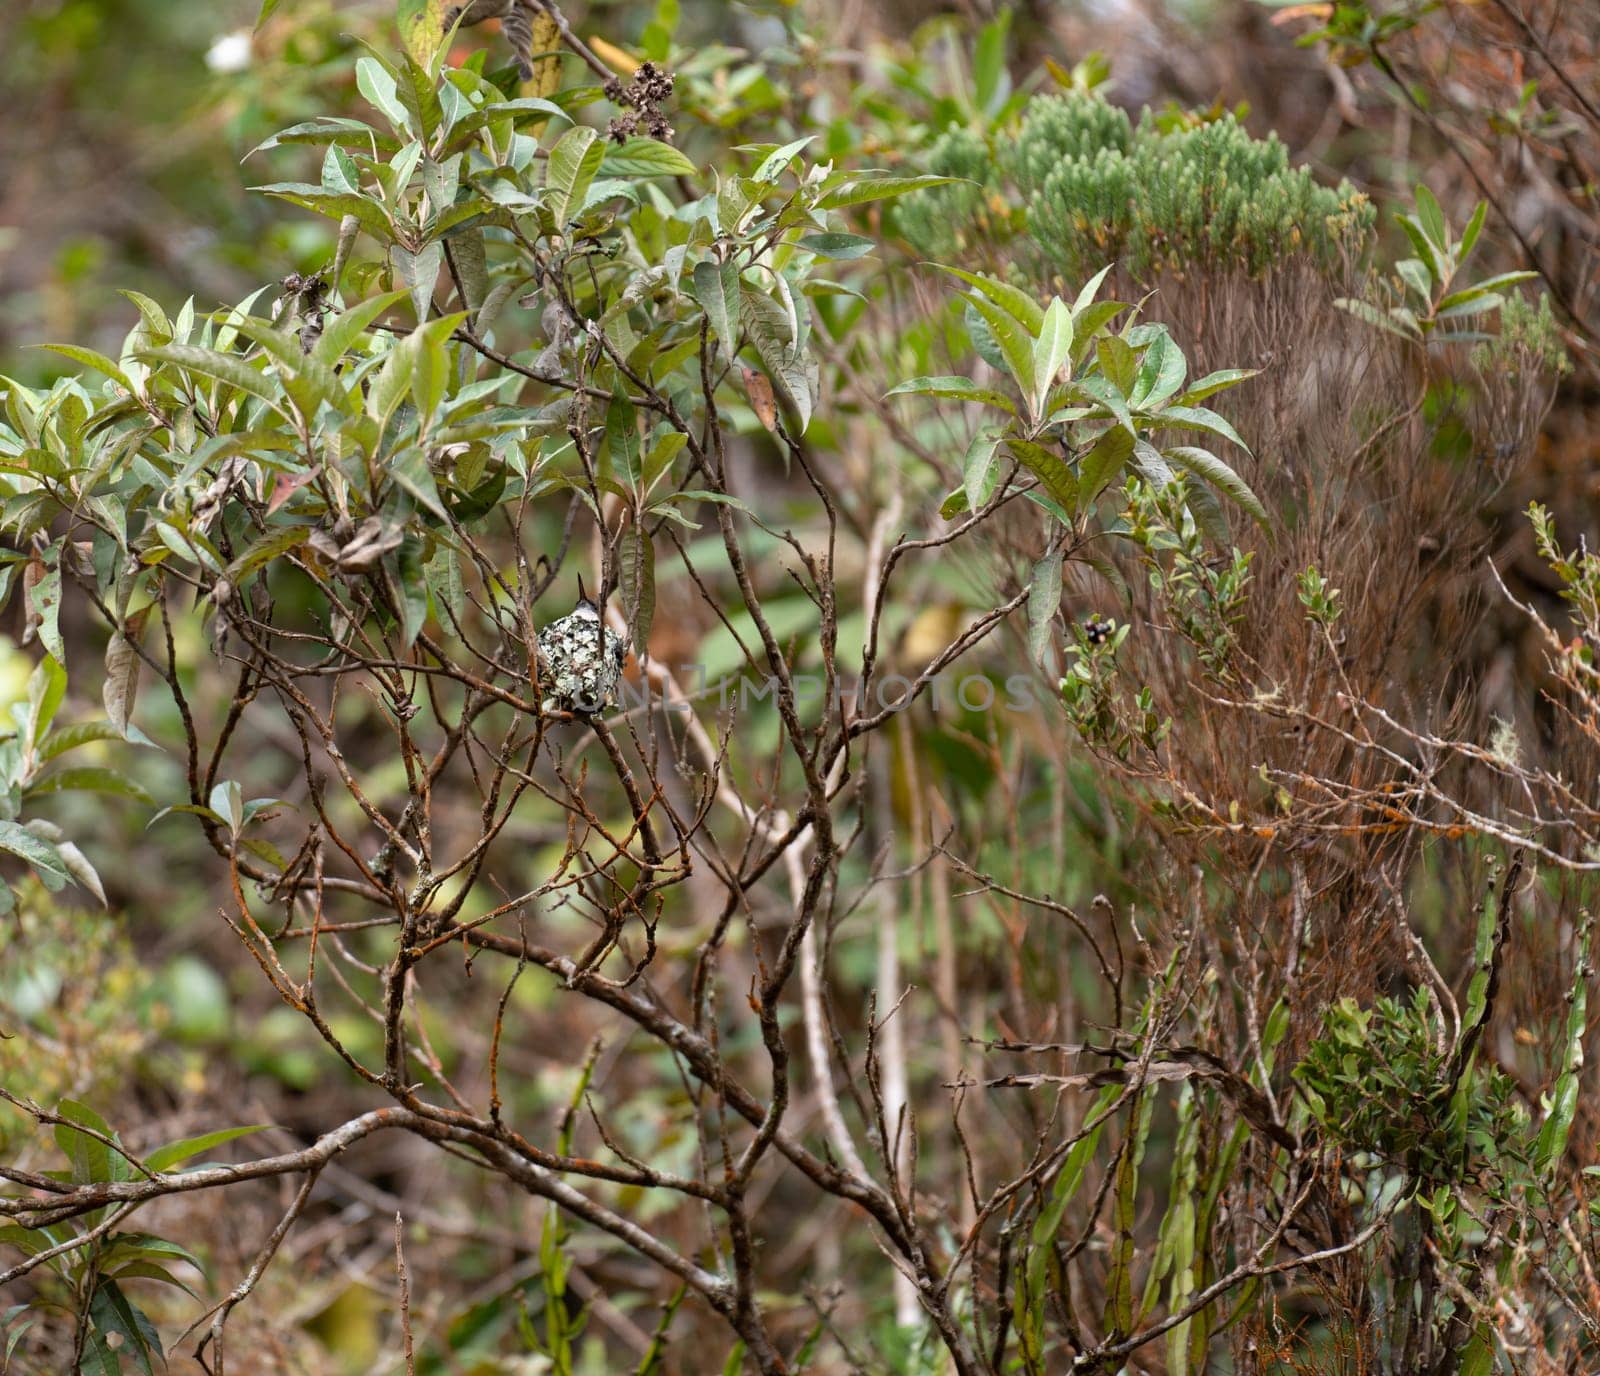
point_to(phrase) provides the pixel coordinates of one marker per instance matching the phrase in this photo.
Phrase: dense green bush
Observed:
(1160, 196)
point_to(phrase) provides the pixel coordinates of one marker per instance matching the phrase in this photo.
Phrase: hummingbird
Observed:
(517, 25)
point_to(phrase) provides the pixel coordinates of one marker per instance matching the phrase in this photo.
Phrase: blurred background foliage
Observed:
(1089, 132)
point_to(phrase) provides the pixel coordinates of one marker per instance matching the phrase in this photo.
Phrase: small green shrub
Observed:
(1091, 186)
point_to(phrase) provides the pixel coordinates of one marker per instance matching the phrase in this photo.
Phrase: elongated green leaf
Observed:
(1088, 292)
(837, 245)
(1014, 340)
(1557, 1127)
(1161, 372)
(1015, 302)
(1148, 460)
(1208, 466)
(92, 1159)
(1416, 276)
(1124, 1209)
(1107, 396)
(715, 287)
(89, 779)
(1484, 288)
(1469, 236)
(229, 369)
(1216, 382)
(1366, 311)
(642, 157)
(1432, 219)
(1044, 601)
(622, 437)
(340, 333)
(574, 161)
(859, 192)
(90, 359)
(1199, 418)
(956, 389)
(1118, 363)
(80, 733)
(1104, 461)
(1051, 468)
(790, 368)
(636, 578)
(382, 91)
(1051, 349)
(40, 854)
(980, 471)
(1433, 257)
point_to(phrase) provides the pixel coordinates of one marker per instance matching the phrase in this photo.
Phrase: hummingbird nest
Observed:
(580, 661)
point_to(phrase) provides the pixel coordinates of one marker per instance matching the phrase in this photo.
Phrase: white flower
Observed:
(231, 52)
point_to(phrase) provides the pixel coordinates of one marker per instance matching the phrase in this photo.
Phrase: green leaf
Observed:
(1044, 600)
(1433, 221)
(382, 91)
(622, 437)
(715, 287)
(1088, 292)
(791, 369)
(1216, 382)
(1433, 258)
(1051, 468)
(93, 1161)
(1014, 340)
(228, 369)
(636, 578)
(89, 779)
(44, 601)
(1208, 466)
(45, 859)
(1148, 460)
(1161, 372)
(1109, 397)
(410, 469)
(573, 163)
(859, 192)
(391, 385)
(90, 359)
(111, 1312)
(341, 333)
(773, 165)
(1551, 1144)
(1118, 363)
(1199, 418)
(271, 546)
(1018, 304)
(1484, 288)
(641, 157)
(47, 687)
(80, 733)
(980, 472)
(1369, 313)
(1469, 236)
(227, 801)
(1104, 461)
(420, 272)
(1051, 349)
(956, 389)
(834, 244)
